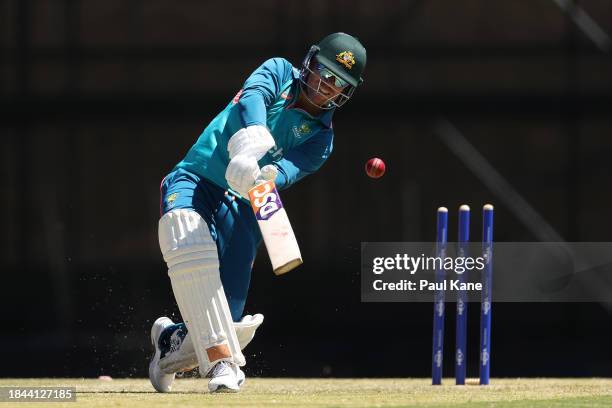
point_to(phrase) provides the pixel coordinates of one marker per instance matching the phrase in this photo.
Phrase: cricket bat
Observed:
(275, 227)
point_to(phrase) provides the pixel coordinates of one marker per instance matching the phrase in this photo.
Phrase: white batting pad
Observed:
(193, 268)
(186, 359)
(245, 329)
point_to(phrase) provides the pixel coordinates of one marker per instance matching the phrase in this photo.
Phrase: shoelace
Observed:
(175, 343)
(219, 368)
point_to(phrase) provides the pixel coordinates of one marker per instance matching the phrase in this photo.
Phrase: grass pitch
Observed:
(287, 392)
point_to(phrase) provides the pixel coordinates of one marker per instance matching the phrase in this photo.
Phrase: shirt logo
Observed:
(346, 58)
(304, 129)
(171, 199)
(286, 95)
(276, 153)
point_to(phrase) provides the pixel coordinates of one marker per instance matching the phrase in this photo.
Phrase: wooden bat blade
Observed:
(275, 227)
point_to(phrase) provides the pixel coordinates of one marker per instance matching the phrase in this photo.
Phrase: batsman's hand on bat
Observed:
(245, 148)
(243, 173)
(269, 172)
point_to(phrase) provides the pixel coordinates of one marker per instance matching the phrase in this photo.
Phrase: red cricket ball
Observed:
(375, 167)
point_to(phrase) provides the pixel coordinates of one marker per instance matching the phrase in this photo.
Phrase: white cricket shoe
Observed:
(161, 381)
(225, 377)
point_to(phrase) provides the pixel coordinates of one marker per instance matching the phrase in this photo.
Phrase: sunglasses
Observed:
(329, 76)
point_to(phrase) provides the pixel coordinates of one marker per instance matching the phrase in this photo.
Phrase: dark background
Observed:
(99, 100)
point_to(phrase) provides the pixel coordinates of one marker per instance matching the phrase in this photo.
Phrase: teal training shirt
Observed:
(302, 142)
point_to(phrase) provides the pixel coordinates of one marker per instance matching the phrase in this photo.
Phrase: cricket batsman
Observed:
(278, 127)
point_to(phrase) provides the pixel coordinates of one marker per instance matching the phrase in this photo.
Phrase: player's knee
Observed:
(186, 243)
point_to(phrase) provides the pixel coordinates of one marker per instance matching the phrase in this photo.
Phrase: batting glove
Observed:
(241, 174)
(253, 141)
(269, 172)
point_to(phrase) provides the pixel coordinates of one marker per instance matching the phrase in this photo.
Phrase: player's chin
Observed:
(322, 101)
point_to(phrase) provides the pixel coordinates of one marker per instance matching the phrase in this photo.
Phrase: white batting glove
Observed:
(269, 172)
(241, 174)
(253, 140)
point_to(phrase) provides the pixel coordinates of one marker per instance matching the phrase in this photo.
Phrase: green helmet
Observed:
(344, 56)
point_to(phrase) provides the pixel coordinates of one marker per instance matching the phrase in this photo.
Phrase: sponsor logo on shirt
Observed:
(276, 153)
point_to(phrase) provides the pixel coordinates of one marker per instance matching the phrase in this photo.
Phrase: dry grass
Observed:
(266, 392)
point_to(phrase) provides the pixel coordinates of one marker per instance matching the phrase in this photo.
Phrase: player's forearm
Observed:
(252, 108)
(288, 174)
